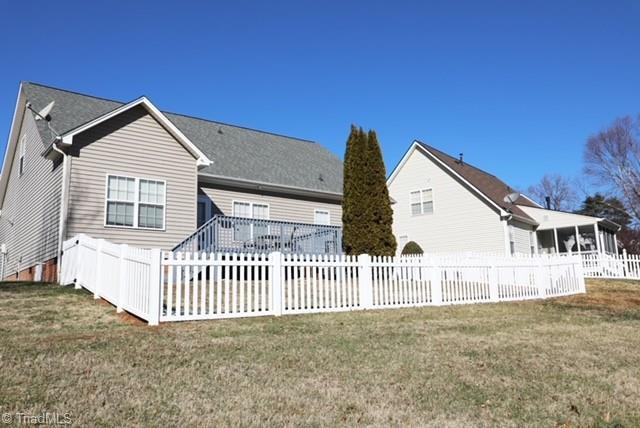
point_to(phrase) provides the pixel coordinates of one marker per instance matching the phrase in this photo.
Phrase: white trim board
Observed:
(202, 159)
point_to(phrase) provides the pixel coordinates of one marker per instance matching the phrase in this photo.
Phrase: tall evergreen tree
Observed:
(610, 208)
(381, 215)
(366, 210)
(353, 202)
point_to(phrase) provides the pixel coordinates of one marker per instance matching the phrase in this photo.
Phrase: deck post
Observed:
(275, 280)
(555, 240)
(578, 240)
(597, 236)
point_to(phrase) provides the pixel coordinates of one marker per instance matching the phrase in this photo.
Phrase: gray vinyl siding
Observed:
(286, 208)
(521, 235)
(32, 204)
(131, 144)
(460, 221)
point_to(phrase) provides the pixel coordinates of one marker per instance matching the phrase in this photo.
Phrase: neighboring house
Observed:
(447, 205)
(129, 173)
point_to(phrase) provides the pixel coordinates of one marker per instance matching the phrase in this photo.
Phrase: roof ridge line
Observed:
(77, 93)
(171, 112)
(304, 140)
(465, 163)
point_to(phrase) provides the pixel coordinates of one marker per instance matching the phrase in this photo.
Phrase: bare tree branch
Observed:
(612, 160)
(559, 189)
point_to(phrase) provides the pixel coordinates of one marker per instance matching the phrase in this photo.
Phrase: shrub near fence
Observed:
(180, 286)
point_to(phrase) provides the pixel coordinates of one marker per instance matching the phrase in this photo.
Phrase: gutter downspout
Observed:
(63, 204)
(505, 225)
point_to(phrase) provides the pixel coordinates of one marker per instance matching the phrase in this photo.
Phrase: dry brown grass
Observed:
(572, 361)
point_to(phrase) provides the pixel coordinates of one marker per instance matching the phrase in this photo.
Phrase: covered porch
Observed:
(562, 232)
(583, 239)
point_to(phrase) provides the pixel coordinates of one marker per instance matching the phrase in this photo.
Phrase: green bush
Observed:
(411, 248)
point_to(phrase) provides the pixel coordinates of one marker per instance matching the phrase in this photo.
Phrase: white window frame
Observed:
(433, 204)
(23, 155)
(321, 210)
(251, 204)
(512, 239)
(136, 202)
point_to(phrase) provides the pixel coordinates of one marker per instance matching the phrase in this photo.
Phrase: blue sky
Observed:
(517, 87)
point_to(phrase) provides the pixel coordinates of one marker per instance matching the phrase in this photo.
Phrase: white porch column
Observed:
(597, 236)
(535, 242)
(555, 240)
(578, 240)
(615, 242)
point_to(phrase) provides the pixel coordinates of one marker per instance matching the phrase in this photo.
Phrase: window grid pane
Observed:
(241, 209)
(120, 213)
(260, 211)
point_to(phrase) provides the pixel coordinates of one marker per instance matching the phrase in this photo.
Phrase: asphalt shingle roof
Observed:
(490, 185)
(237, 152)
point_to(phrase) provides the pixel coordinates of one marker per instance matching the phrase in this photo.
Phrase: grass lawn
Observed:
(571, 361)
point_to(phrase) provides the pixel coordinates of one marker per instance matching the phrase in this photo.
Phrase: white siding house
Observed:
(132, 174)
(444, 227)
(447, 205)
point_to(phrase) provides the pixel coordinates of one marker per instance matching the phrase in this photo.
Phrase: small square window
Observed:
(421, 202)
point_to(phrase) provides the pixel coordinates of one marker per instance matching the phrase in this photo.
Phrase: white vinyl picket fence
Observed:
(125, 276)
(167, 286)
(622, 266)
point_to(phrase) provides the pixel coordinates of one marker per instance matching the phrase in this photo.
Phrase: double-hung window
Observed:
(245, 231)
(135, 202)
(421, 202)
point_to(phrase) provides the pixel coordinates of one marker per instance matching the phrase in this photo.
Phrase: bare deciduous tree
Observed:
(559, 189)
(612, 159)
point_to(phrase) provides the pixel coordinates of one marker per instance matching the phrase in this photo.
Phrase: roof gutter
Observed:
(276, 188)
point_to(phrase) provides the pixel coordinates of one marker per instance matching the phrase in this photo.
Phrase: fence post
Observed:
(625, 263)
(122, 277)
(76, 268)
(541, 283)
(154, 286)
(436, 285)
(275, 260)
(96, 291)
(493, 284)
(364, 281)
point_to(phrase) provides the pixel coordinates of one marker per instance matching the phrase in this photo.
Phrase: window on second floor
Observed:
(422, 202)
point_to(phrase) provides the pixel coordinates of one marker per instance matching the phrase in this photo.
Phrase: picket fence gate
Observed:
(179, 286)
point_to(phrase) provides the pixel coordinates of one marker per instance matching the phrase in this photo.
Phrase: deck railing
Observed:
(228, 234)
